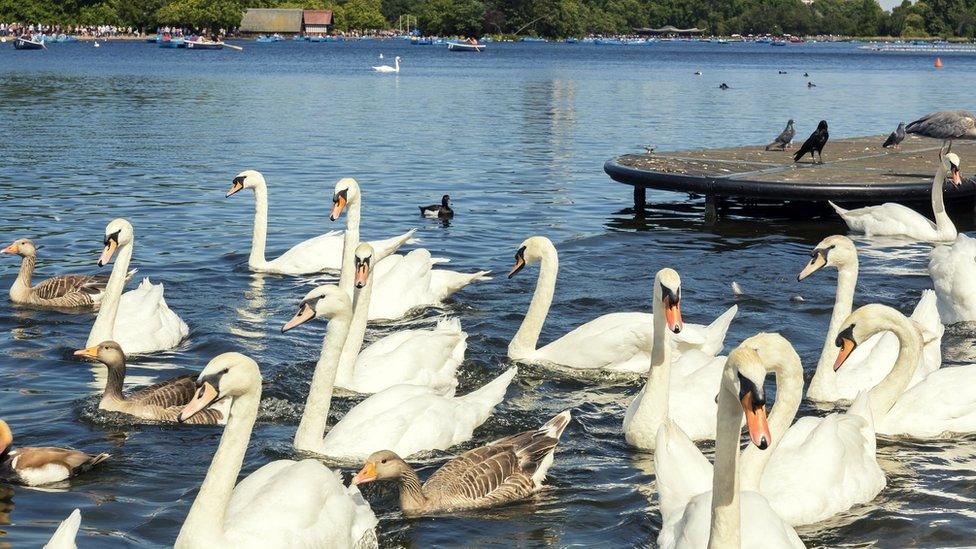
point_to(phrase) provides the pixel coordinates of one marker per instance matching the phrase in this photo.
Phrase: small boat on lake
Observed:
(200, 44)
(462, 46)
(170, 42)
(22, 43)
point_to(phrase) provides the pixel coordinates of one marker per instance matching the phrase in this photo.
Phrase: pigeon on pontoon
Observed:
(784, 139)
(896, 137)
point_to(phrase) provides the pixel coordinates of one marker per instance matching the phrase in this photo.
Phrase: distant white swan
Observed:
(387, 68)
(953, 272)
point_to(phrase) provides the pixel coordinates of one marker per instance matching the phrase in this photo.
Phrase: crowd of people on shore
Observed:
(95, 31)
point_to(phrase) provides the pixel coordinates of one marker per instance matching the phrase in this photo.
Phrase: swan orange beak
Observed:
(107, 253)
(672, 314)
(235, 187)
(817, 262)
(366, 474)
(338, 203)
(204, 397)
(362, 274)
(847, 347)
(90, 352)
(304, 314)
(756, 422)
(11, 249)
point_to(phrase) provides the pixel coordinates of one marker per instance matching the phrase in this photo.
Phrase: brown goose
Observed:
(503, 471)
(160, 402)
(38, 466)
(63, 291)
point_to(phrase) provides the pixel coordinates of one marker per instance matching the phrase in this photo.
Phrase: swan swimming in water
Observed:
(387, 68)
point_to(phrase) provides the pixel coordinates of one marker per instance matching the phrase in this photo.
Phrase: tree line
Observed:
(548, 18)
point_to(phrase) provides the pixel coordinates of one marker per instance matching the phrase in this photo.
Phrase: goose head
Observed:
(950, 162)
(248, 179)
(382, 465)
(364, 263)
(6, 437)
(834, 251)
(346, 190)
(227, 375)
(108, 353)
(744, 378)
(863, 323)
(325, 301)
(667, 294)
(23, 247)
(532, 250)
(118, 233)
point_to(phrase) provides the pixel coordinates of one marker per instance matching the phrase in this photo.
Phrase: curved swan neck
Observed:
(357, 332)
(311, 428)
(527, 338)
(205, 522)
(884, 395)
(943, 223)
(843, 303)
(347, 271)
(789, 393)
(109, 307)
(724, 531)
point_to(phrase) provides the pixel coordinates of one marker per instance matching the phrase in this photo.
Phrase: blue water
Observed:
(517, 135)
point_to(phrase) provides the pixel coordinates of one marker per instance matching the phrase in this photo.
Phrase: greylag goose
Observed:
(161, 402)
(38, 466)
(441, 210)
(503, 471)
(60, 292)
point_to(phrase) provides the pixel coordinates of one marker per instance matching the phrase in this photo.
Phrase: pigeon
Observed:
(945, 125)
(784, 139)
(814, 144)
(896, 137)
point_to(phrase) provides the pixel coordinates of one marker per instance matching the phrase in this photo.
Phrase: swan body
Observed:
(872, 360)
(285, 503)
(890, 219)
(953, 272)
(64, 536)
(387, 68)
(618, 342)
(406, 419)
(139, 320)
(315, 255)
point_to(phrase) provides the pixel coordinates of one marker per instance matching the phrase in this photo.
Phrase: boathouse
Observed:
(670, 31)
(271, 21)
(318, 21)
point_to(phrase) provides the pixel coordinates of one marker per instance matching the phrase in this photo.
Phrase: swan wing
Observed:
(944, 402)
(615, 341)
(144, 323)
(890, 219)
(315, 255)
(761, 527)
(695, 380)
(953, 272)
(682, 471)
(417, 357)
(64, 536)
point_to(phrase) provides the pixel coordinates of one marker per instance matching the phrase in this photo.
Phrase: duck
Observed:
(683, 389)
(438, 211)
(942, 403)
(615, 342)
(284, 503)
(139, 320)
(387, 68)
(891, 219)
(507, 470)
(406, 419)
(875, 358)
(68, 291)
(695, 514)
(415, 357)
(322, 253)
(160, 402)
(40, 466)
(403, 284)
(67, 531)
(953, 272)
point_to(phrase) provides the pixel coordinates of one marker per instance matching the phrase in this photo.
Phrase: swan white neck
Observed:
(357, 332)
(943, 224)
(843, 302)
(260, 235)
(349, 243)
(104, 324)
(311, 428)
(884, 395)
(527, 338)
(724, 531)
(204, 524)
(653, 407)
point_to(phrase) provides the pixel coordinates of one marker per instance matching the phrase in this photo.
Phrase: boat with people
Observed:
(168, 41)
(29, 43)
(466, 46)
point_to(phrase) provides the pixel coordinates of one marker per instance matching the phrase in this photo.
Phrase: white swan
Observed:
(688, 397)
(874, 359)
(953, 272)
(695, 516)
(891, 219)
(402, 283)
(139, 320)
(67, 531)
(619, 342)
(406, 419)
(387, 68)
(285, 503)
(416, 357)
(315, 255)
(943, 402)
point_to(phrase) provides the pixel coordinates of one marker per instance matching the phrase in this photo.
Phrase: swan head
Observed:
(227, 375)
(6, 437)
(346, 190)
(744, 377)
(863, 323)
(532, 250)
(364, 263)
(108, 353)
(325, 301)
(667, 295)
(382, 465)
(23, 247)
(950, 162)
(834, 251)
(118, 233)
(776, 353)
(248, 179)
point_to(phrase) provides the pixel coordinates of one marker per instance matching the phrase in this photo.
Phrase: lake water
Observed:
(517, 136)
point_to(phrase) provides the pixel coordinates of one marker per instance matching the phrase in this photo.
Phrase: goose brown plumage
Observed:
(160, 402)
(503, 471)
(62, 292)
(38, 466)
